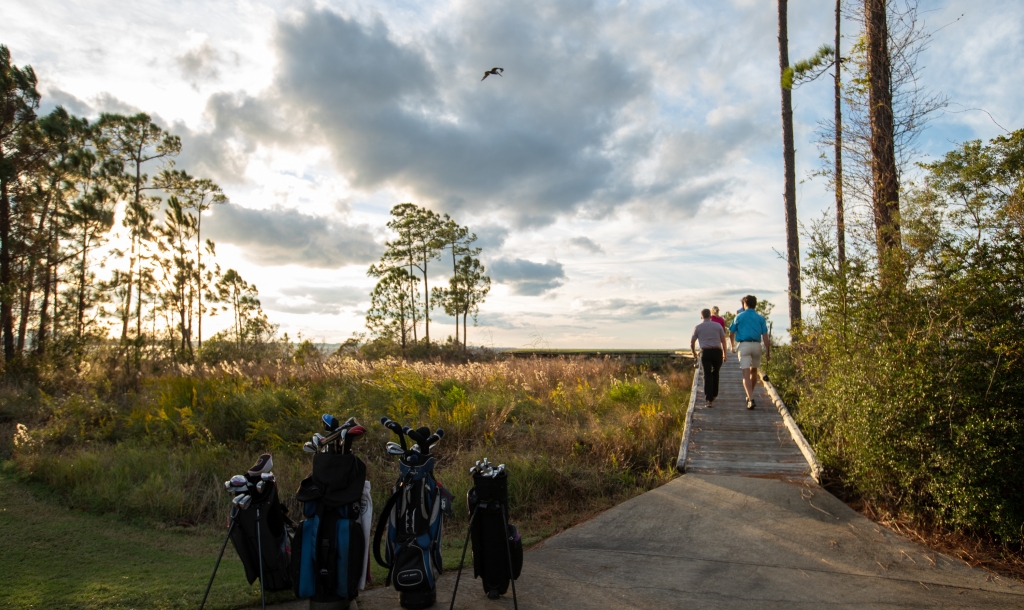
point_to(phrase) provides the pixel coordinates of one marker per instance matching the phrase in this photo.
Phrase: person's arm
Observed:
(767, 346)
(732, 339)
(725, 352)
(692, 352)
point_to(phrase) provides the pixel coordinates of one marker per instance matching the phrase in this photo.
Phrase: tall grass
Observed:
(576, 435)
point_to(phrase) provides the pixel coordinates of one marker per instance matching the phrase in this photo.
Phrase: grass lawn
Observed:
(56, 557)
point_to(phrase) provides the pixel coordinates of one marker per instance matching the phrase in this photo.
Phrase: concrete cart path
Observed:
(731, 439)
(705, 541)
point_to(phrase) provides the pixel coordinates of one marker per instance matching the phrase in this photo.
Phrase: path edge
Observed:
(794, 430)
(688, 423)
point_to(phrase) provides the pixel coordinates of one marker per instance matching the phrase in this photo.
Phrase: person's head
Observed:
(714, 310)
(705, 313)
(750, 301)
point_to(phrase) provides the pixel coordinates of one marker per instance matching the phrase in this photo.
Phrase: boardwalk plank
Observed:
(731, 439)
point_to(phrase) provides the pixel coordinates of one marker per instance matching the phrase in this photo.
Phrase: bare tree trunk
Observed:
(426, 300)
(788, 155)
(80, 326)
(840, 212)
(26, 308)
(44, 307)
(6, 279)
(885, 179)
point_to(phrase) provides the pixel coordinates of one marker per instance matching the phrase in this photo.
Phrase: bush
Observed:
(912, 393)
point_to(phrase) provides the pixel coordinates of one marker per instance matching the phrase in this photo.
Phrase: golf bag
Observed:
(330, 554)
(497, 547)
(413, 519)
(259, 528)
(263, 526)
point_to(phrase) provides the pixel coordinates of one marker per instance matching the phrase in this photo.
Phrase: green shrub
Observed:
(912, 392)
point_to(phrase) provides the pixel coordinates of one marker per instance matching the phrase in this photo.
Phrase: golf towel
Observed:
(365, 520)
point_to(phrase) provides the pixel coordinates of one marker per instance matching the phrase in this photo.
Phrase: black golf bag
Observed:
(329, 552)
(497, 547)
(264, 525)
(414, 520)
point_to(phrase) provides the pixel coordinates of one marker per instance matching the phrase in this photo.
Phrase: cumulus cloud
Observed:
(585, 243)
(280, 236)
(317, 299)
(199, 64)
(525, 277)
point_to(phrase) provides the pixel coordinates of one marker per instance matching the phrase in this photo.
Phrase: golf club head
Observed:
(309, 447)
(265, 463)
(260, 485)
(239, 480)
(330, 422)
(243, 501)
(268, 476)
(350, 423)
(416, 448)
(395, 449)
(423, 431)
(394, 427)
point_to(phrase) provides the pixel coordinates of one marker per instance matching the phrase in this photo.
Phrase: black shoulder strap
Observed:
(382, 523)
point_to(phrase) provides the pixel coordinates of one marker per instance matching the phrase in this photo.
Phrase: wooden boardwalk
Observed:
(730, 439)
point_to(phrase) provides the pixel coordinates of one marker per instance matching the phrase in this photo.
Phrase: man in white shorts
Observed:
(747, 332)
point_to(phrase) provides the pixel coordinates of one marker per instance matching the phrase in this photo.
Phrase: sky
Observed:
(622, 173)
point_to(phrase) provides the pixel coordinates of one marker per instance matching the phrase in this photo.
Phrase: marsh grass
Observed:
(577, 435)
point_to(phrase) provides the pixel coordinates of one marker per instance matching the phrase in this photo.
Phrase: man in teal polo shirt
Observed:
(747, 332)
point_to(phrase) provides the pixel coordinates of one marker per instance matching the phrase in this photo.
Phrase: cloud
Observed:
(199, 64)
(280, 236)
(57, 97)
(317, 299)
(490, 238)
(626, 309)
(412, 112)
(585, 243)
(102, 102)
(525, 277)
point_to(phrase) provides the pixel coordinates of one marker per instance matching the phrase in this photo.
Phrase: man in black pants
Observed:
(711, 336)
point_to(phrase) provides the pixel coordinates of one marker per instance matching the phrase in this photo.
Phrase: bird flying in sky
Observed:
(495, 71)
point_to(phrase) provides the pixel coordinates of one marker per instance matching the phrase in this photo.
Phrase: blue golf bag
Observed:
(413, 519)
(329, 549)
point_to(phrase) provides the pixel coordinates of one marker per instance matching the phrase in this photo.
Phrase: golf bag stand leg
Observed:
(231, 526)
(259, 551)
(508, 550)
(458, 575)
